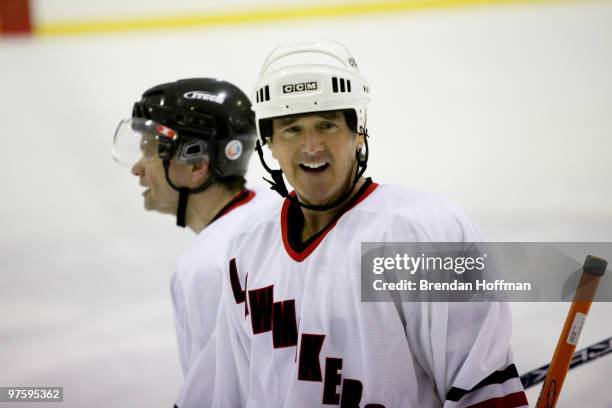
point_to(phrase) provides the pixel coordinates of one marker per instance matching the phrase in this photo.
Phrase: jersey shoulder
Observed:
(262, 219)
(428, 215)
(209, 247)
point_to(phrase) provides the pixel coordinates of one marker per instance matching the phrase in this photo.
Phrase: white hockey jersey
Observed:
(196, 293)
(294, 332)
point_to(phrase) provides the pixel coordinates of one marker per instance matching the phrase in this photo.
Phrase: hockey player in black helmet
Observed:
(201, 130)
(189, 142)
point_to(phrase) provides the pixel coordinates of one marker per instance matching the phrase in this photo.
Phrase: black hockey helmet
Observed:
(206, 109)
(195, 120)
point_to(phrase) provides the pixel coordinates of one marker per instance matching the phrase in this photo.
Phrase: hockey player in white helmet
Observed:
(295, 330)
(189, 142)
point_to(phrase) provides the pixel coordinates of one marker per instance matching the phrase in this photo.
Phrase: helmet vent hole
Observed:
(192, 150)
(341, 85)
(263, 94)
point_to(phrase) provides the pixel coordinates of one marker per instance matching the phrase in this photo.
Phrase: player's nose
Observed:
(312, 142)
(138, 169)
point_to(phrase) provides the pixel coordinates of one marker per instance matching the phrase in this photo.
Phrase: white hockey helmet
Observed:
(309, 77)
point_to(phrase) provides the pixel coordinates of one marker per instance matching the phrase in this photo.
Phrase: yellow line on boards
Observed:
(267, 14)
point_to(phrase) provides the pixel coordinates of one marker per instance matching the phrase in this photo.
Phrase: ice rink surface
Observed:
(506, 111)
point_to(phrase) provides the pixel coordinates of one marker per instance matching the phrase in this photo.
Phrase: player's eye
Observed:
(293, 130)
(328, 125)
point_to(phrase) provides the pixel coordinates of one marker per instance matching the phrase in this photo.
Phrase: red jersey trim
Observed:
(239, 199)
(300, 256)
(517, 399)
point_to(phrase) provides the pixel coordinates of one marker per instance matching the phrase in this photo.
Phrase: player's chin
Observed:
(318, 195)
(149, 203)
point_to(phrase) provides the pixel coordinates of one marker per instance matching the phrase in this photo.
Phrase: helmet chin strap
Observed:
(181, 210)
(184, 193)
(278, 183)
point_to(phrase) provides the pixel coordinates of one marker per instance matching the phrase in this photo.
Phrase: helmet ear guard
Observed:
(191, 151)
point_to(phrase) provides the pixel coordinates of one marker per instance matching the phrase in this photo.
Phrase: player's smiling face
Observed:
(317, 154)
(158, 196)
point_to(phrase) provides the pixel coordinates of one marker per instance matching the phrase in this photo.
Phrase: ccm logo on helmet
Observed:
(301, 87)
(205, 96)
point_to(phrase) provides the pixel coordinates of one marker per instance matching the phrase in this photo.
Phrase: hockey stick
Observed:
(593, 270)
(586, 355)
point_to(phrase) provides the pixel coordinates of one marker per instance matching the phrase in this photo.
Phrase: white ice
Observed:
(506, 110)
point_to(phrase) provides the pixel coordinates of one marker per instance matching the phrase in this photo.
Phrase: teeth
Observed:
(314, 165)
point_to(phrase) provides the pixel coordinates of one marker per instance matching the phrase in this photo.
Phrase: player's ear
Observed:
(199, 173)
(360, 141)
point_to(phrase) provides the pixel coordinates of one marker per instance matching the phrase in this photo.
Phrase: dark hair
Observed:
(232, 183)
(350, 116)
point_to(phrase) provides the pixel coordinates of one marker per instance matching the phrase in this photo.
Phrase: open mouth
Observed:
(317, 167)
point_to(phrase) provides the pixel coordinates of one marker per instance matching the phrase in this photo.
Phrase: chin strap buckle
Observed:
(278, 183)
